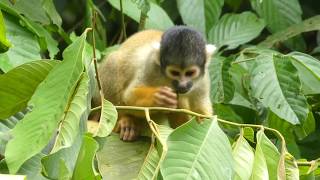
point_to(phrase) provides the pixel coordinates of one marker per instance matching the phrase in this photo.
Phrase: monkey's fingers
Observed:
(164, 101)
(168, 92)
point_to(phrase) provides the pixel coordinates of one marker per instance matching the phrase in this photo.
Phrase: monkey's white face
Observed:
(182, 79)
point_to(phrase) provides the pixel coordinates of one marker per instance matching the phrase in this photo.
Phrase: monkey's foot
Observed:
(129, 128)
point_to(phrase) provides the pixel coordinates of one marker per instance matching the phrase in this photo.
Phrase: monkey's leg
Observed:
(129, 127)
(151, 96)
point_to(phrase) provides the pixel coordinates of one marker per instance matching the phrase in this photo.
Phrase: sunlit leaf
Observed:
(4, 42)
(108, 119)
(24, 48)
(194, 154)
(122, 160)
(85, 168)
(49, 102)
(244, 157)
(18, 85)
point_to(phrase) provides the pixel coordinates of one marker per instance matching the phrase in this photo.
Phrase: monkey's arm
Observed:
(150, 96)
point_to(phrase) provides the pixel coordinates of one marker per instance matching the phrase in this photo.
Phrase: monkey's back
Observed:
(123, 65)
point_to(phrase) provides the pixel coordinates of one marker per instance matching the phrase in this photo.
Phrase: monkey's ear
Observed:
(156, 50)
(210, 49)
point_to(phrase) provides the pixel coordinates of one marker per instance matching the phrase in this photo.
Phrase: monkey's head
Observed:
(184, 57)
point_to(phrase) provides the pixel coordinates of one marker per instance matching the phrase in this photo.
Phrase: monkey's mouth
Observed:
(182, 90)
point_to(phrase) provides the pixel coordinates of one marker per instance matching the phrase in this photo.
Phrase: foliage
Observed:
(265, 86)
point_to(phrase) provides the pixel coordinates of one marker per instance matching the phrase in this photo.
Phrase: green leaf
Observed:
(108, 119)
(200, 14)
(276, 84)
(85, 163)
(69, 125)
(284, 127)
(24, 48)
(222, 88)
(309, 71)
(51, 11)
(143, 5)
(49, 102)
(279, 15)
(4, 42)
(121, 160)
(193, 153)
(157, 17)
(62, 162)
(248, 133)
(32, 168)
(150, 164)
(244, 158)
(311, 24)
(291, 167)
(18, 85)
(32, 9)
(235, 29)
(306, 128)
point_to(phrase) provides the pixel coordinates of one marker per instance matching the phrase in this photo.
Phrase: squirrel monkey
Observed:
(154, 68)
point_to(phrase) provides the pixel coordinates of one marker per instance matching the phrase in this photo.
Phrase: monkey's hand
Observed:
(165, 97)
(129, 128)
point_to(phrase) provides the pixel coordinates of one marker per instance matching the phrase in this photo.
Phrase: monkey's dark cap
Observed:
(182, 46)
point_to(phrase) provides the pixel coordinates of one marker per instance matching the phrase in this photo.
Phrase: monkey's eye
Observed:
(175, 73)
(190, 73)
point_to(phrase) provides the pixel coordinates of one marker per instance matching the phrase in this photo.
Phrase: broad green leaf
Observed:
(18, 85)
(48, 6)
(193, 153)
(260, 169)
(309, 126)
(307, 25)
(122, 160)
(276, 84)
(32, 168)
(69, 125)
(284, 127)
(62, 162)
(278, 15)
(244, 157)
(270, 154)
(4, 42)
(235, 29)
(47, 43)
(157, 17)
(49, 103)
(85, 168)
(200, 14)
(309, 71)
(32, 9)
(24, 48)
(150, 164)
(222, 88)
(108, 119)
(5, 128)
